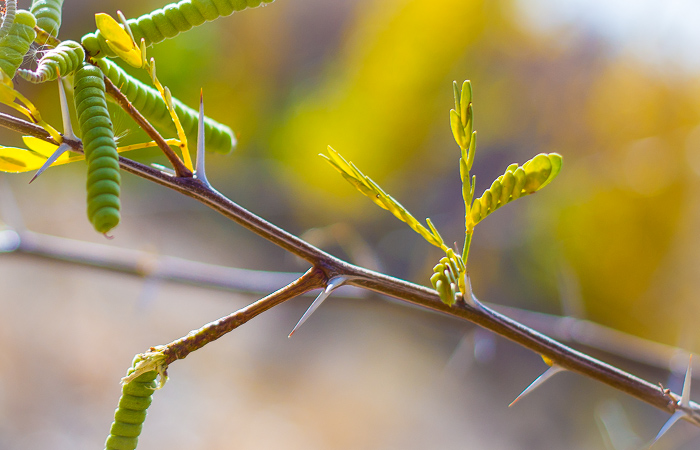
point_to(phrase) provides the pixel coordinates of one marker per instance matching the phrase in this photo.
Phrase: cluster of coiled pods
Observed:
(86, 62)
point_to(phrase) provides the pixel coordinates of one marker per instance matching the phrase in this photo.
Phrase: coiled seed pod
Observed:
(63, 59)
(103, 178)
(15, 45)
(48, 15)
(137, 395)
(217, 137)
(170, 21)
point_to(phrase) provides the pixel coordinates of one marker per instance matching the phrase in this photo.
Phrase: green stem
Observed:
(467, 244)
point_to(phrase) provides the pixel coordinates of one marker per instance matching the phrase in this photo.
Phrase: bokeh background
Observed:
(613, 86)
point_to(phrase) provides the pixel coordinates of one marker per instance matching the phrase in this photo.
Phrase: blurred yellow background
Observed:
(611, 240)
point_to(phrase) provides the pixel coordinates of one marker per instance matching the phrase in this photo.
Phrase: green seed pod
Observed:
(169, 21)
(100, 149)
(48, 15)
(135, 403)
(131, 413)
(16, 43)
(63, 59)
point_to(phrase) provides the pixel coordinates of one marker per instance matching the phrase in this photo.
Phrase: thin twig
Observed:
(149, 264)
(331, 266)
(27, 128)
(314, 278)
(144, 124)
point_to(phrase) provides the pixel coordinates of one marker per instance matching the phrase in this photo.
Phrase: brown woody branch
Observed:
(327, 266)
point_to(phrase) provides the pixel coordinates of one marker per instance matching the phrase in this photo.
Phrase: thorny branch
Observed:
(327, 267)
(179, 349)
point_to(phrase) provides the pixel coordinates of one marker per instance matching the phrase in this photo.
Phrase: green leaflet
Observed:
(370, 189)
(517, 182)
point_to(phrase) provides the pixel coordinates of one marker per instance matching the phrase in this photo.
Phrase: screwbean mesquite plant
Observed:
(92, 66)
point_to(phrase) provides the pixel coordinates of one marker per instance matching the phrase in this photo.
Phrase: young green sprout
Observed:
(450, 278)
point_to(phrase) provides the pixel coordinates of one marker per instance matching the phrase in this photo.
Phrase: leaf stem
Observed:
(314, 278)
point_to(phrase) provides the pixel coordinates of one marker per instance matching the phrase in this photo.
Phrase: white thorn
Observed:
(538, 381)
(59, 151)
(683, 403)
(469, 297)
(65, 111)
(669, 423)
(685, 395)
(163, 169)
(333, 284)
(199, 169)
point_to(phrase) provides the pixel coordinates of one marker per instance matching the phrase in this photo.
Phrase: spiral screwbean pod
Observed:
(15, 45)
(131, 412)
(100, 149)
(64, 59)
(170, 21)
(48, 15)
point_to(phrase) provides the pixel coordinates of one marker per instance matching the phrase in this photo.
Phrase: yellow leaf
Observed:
(7, 92)
(39, 145)
(16, 160)
(118, 39)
